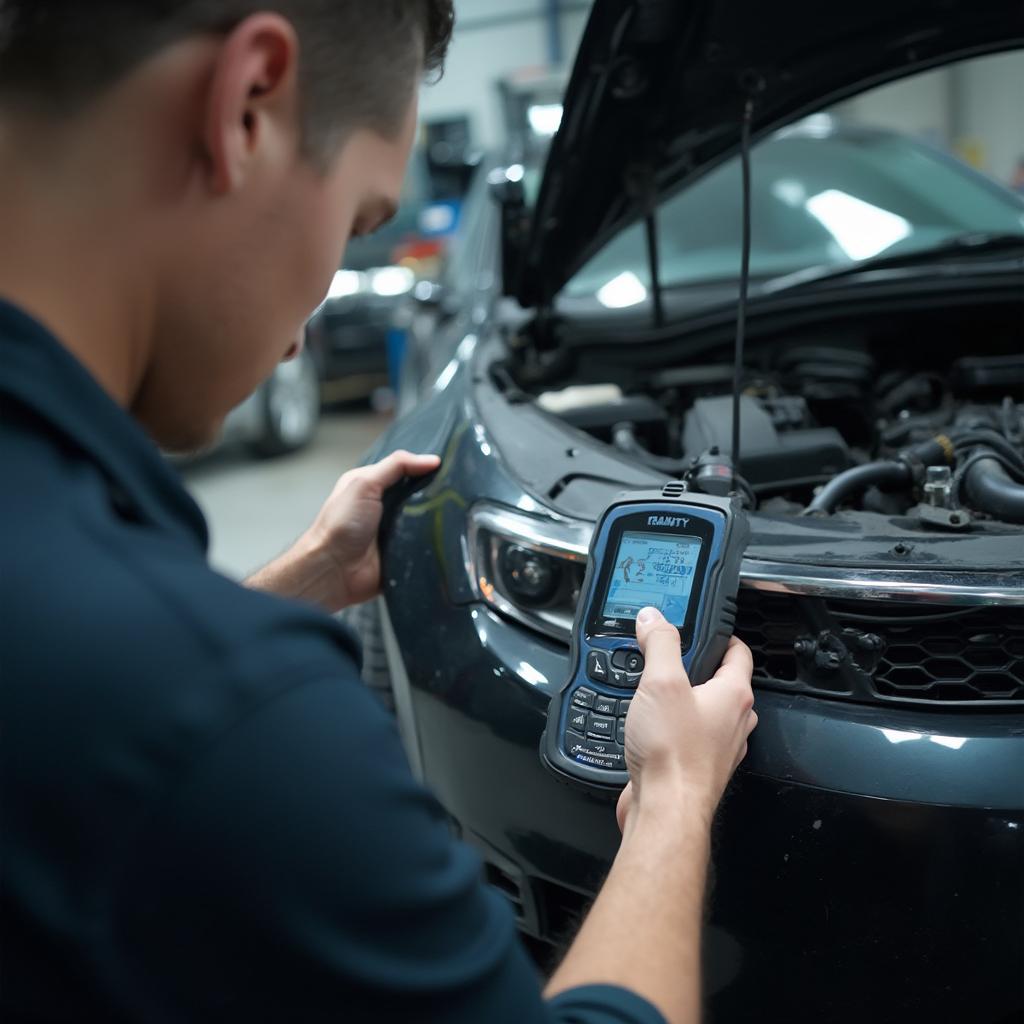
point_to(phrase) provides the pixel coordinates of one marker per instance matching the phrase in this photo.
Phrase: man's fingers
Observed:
(398, 464)
(659, 642)
(738, 662)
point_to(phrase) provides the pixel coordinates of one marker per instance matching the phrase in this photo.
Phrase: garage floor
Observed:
(257, 507)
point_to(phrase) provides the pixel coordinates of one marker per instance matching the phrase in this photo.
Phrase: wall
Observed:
(975, 108)
(918, 105)
(989, 108)
(492, 39)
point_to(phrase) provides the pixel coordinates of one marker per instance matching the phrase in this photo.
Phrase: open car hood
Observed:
(658, 91)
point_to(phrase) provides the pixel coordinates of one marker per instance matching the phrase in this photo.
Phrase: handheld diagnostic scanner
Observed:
(677, 551)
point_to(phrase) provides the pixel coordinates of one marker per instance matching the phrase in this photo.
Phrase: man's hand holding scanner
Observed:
(682, 745)
(682, 740)
(336, 562)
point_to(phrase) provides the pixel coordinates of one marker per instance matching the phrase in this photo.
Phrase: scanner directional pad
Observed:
(597, 666)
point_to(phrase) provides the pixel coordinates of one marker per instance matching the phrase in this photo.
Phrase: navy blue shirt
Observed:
(204, 814)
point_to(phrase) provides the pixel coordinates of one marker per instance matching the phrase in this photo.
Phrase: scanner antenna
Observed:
(741, 305)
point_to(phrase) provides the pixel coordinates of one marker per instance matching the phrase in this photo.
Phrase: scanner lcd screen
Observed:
(654, 569)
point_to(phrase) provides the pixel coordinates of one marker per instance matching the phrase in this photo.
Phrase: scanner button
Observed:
(600, 727)
(605, 705)
(634, 662)
(618, 678)
(597, 666)
(578, 720)
(574, 740)
(627, 680)
(583, 698)
(608, 749)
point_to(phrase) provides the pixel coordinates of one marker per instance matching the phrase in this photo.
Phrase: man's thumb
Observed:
(653, 627)
(659, 641)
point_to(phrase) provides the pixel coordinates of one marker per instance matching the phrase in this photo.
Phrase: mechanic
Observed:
(206, 816)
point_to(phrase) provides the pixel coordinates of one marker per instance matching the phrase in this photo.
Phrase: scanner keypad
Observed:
(595, 726)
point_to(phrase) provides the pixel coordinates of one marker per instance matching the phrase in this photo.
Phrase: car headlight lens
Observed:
(528, 568)
(532, 578)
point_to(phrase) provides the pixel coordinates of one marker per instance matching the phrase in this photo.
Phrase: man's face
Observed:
(247, 267)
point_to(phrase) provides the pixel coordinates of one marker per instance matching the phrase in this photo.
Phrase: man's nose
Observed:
(296, 346)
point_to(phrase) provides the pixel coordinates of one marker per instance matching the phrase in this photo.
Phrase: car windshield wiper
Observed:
(971, 243)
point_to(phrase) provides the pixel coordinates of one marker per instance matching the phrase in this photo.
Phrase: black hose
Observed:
(990, 488)
(985, 436)
(624, 438)
(888, 473)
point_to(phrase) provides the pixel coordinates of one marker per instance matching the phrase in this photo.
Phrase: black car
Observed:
(868, 856)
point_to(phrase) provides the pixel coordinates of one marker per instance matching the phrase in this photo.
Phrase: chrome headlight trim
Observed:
(552, 535)
(569, 539)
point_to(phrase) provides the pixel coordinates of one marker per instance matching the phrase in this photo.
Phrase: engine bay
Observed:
(913, 428)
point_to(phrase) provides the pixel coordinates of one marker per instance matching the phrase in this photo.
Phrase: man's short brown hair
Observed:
(359, 59)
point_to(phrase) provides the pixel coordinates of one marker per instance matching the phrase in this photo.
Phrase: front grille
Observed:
(885, 651)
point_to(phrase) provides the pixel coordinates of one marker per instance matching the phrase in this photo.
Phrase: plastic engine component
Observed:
(770, 459)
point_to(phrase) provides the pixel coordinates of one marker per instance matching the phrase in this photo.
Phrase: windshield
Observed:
(822, 197)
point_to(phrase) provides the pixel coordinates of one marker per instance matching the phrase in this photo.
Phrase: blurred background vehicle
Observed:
(282, 414)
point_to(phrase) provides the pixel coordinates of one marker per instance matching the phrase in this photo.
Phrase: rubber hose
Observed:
(624, 438)
(990, 489)
(993, 440)
(887, 473)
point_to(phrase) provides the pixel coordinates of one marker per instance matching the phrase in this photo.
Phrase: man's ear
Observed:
(252, 99)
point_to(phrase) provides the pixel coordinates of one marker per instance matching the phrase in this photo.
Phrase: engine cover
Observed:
(770, 459)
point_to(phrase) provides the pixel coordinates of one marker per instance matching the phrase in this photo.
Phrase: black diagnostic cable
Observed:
(741, 306)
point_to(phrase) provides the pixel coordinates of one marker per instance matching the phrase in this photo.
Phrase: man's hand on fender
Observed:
(336, 562)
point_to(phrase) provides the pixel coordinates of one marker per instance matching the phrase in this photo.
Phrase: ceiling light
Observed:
(545, 118)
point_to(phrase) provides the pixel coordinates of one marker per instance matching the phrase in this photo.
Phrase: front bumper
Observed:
(866, 862)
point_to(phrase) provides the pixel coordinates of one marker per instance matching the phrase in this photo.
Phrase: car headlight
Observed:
(528, 568)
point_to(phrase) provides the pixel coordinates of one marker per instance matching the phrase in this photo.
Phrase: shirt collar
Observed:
(43, 376)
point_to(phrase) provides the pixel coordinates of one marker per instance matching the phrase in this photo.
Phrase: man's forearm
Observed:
(305, 571)
(643, 932)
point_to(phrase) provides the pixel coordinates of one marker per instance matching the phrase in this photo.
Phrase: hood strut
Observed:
(651, 226)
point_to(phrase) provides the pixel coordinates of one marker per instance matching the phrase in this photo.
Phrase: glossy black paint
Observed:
(867, 861)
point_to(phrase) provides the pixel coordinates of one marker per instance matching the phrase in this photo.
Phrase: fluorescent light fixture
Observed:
(861, 229)
(624, 290)
(545, 118)
(344, 283)
(392, 280)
